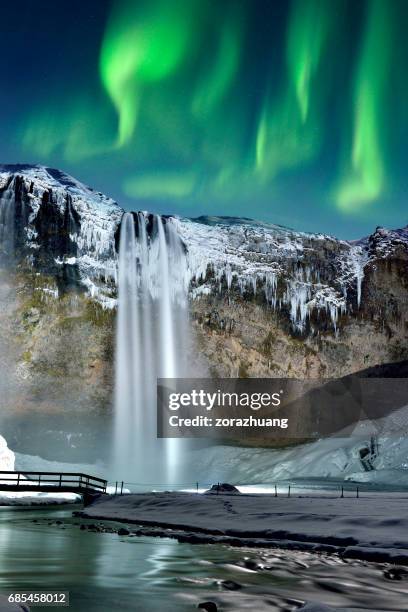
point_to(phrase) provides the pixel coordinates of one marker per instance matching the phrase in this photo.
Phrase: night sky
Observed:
(293, 112)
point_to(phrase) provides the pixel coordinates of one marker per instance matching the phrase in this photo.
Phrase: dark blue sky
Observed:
(294, 112)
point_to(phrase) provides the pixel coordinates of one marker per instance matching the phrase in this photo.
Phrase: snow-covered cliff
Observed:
(303, 274)
(66, 229)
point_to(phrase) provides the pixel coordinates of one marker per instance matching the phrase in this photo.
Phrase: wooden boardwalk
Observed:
(89, 487)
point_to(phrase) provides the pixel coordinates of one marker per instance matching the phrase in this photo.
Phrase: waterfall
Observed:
(128, 367)
(151, 342)
(7, 220)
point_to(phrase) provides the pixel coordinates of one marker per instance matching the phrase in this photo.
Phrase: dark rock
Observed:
(231, 585)
(123, 531)
(222, 488)
(210, 606)
(252, 565)
(396, 573)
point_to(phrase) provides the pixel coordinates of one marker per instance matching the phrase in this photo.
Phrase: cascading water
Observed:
(7, 220)
(152, 338)
(127, 365)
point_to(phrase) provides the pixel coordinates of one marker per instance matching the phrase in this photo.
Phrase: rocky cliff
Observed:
(265, 300)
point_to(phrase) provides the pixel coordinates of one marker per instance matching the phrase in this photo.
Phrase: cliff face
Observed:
(243, 337)
(271, 302)
(265, 300)
(56, 340)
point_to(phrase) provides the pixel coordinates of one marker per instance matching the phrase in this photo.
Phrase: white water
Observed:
(7, 214)
(151, 343)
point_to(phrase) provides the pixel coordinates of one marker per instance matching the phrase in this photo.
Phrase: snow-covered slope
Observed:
(99, 215)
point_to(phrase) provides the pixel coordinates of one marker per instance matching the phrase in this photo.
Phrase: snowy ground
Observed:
(373, 526)
(385, 442)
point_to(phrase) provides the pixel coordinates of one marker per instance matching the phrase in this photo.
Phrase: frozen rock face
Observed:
(59, 226)
(272, 302)
(314, 281)
(311, 279)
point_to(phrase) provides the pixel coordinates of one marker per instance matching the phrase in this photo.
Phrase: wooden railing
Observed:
(52, 480)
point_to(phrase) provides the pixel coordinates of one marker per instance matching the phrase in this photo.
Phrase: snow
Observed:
(332, 458)
(6, 456)
(37, 499)
(373, 526)
(318, 607)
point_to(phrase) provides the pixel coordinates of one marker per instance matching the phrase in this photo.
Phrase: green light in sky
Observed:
(365, 179)
(160, 184)
(283, 140)
(144, 44)
(216, 81)
(309, 27)
(208, 103)
(290, 128)
(70, 128)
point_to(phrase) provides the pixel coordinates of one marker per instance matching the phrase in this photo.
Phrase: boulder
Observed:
(222, 489)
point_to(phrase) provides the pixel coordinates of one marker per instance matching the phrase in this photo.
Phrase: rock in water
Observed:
(210, 606)
(231, 585)
(123, 531)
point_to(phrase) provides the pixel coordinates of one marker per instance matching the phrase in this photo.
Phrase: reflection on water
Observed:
(104, 571)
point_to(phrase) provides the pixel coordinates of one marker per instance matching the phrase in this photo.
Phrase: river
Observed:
(106, 572)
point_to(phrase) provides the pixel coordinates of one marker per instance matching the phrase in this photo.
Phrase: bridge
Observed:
(89, 487)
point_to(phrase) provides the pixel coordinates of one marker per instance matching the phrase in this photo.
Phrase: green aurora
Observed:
(294, 112)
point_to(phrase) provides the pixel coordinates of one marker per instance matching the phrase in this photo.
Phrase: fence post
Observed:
(197, 486)
(39, 479)
(116, 487)
(357, 493)
(121, 488)
(342, 491)
(276, 491)
(18, 479)
(289, 491)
